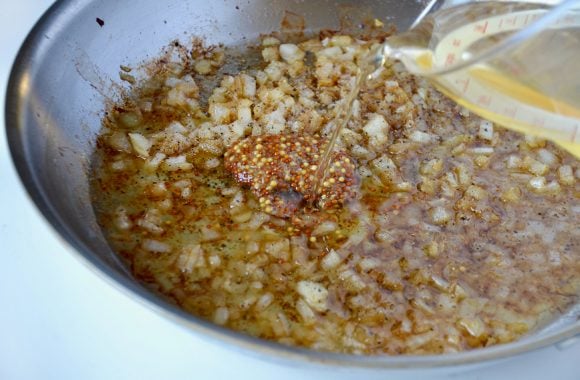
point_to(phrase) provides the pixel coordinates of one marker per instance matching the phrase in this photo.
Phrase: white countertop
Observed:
(60, 320)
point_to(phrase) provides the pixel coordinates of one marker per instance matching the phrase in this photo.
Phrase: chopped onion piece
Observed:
(440, 215)
(547, 157)
(270, 41)
(565, 175)
(203, 66)
(325, 228)
(207, 234)
(482, 150)
(534, 166)
(486, 130)
(155, 246)
(291, 53)
(474, 326)
(191, 256)
(305, 311)
(177, 163)
(537, 183)
(421, 137)
(476, 192)
(315, 294)
(141, 144)
(221, 316)
(330, 260)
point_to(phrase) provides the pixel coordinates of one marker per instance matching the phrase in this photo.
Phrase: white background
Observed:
(60, 320)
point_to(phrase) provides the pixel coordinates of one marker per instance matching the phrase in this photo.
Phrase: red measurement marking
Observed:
(450, 59)
(481, 28)
(510, 111)
(456, 43)
(516, 70)
(464, 83)
(539, 121)
(527, 20)
(512, 20)
(484, 100)
(574, 133)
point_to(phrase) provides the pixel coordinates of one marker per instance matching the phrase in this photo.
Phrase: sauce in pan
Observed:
(435, 232)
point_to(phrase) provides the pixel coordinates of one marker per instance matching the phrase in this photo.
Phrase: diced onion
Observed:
(156, 246)
(141, 144)
(325, 228)
(221, 315)
(486, 130)
(291, 52)
(440, 215)
(565, 175)
(315, 294)
(203, 66)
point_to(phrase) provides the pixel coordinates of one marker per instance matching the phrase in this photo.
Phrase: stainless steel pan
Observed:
(68, 68)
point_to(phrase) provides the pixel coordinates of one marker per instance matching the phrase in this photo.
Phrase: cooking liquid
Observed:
(532, 86)
(200, 239)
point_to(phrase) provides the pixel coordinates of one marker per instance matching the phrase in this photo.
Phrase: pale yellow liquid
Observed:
(520, 93)
(530, 83)
(343, 115)
(532, 87)
(496, 83)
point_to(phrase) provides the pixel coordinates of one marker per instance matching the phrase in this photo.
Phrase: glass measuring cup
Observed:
(515, 63)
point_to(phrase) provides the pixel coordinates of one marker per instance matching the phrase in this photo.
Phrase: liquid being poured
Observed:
(343, 115)
(515, 64)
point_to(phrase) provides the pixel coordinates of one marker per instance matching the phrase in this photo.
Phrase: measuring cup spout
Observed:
(513, 63)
